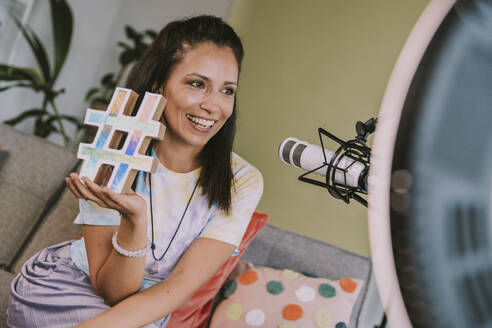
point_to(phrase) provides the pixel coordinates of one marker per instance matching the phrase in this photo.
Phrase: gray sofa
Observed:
(36, 210)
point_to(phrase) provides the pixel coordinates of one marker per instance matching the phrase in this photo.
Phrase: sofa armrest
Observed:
(5, 279)
(30, 180)
(56, 226)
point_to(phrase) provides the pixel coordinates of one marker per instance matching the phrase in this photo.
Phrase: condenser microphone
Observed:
(348, 171)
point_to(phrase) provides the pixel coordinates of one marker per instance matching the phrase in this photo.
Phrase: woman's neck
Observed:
(177, 157)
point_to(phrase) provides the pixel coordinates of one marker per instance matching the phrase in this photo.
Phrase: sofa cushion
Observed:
(3, 157)
(277, 248)
(57, 226)
(5, 279)
(267, 297)
(29, 180)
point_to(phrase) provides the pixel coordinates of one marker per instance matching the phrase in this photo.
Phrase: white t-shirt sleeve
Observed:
(92, 214)
(246, 194)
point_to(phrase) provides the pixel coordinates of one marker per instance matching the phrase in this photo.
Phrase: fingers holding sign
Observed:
(82, 190)
(129, 204)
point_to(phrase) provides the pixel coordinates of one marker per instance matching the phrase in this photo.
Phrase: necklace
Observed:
(155, 266)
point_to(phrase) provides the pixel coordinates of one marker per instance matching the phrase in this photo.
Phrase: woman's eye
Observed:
(196, 84)
(229, 91)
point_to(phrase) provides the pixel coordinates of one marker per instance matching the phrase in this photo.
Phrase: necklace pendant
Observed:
(155, 268)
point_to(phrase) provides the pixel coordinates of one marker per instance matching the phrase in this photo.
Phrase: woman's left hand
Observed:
(130, 205)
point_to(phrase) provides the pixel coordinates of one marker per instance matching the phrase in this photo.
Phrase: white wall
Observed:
(97, 28)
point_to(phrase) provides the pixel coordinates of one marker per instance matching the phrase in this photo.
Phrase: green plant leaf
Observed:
(43, 128)
(151, 33)
(90, 93)
(123, 45)
(131, 33)
(140, 50)
(17, 73)
(17, 85)
(128, 56)
(36, 47)
(101, 101)
(107, 79)
(34, 112)
(62, 21)
(74, 120)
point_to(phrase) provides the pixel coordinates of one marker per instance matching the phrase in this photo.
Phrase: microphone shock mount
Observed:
(352, 151)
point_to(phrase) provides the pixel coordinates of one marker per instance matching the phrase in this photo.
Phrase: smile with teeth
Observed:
(200, 122)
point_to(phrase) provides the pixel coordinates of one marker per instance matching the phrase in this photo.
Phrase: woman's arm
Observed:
(113, 275)
(197, 266)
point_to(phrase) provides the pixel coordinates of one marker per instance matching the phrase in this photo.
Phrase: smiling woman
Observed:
(200, 95)
(144, 253)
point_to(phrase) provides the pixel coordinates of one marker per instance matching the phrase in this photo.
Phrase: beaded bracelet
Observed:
(127, 253)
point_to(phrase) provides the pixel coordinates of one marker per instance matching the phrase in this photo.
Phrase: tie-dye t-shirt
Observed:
(170, 194)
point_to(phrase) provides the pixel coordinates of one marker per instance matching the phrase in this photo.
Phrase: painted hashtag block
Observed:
(112, 124)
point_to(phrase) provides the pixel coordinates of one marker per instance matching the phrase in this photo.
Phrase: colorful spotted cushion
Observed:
(270, 298)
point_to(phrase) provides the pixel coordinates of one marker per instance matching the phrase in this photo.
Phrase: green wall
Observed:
(310, 64)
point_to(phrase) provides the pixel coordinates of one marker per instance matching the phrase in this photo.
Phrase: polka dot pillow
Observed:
(270, 298)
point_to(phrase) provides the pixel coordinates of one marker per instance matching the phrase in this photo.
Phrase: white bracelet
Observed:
(127, 253)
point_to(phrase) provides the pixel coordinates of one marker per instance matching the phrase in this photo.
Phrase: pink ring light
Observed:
(381, 158)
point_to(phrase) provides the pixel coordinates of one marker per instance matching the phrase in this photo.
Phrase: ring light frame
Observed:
(381, 160)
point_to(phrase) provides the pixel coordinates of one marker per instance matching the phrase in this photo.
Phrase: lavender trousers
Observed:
(51, 291)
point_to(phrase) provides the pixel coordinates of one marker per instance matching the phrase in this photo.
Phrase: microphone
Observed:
(349, 172)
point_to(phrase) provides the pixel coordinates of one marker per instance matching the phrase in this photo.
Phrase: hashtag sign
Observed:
(112, 124)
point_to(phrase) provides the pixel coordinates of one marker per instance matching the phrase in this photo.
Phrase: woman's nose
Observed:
(210, 102)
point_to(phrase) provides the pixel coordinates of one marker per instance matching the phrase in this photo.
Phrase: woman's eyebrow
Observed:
(208, 79)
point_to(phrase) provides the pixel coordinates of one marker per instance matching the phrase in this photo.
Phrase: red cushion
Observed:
(195, 313)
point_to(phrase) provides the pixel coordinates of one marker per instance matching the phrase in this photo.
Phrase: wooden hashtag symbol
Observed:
(112, 125)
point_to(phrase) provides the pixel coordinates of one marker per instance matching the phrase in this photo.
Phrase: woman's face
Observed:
(200, 94)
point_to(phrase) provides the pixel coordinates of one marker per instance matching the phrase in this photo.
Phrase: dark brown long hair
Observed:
(154, 69)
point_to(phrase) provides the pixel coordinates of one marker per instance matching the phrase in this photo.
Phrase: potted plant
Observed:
(42, 79)
(99, 97)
